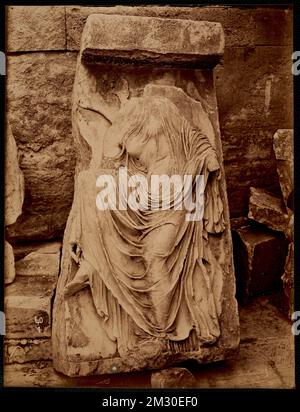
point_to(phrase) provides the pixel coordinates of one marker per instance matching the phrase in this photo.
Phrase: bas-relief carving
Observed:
(144, 289)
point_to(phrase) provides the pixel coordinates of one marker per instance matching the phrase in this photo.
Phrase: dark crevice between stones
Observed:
(139, 58)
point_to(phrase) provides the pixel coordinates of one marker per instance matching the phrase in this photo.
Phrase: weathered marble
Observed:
(112, 82)
(39, 87)
(14, 180)
(283, 148)
(33, 28)
(28, 303)
(266, 359)
(288, 280)
(28, 307)
(44, 261)
(27, 350)
(267, 209)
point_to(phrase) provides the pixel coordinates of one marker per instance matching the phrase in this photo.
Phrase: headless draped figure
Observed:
(151, 272)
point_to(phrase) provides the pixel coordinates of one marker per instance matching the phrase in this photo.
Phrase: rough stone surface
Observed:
(28, 307)
(288, 280)
(259, 258)
(44, 261)
(267, 209)
(253, 101)
(9, 264)
(171, 42)
(26, 350)
(23, 249)
(257, 25)
(39, 108)
(283, 148)
(173, 378)
(288, 276)
(33, 28)
(14, 180)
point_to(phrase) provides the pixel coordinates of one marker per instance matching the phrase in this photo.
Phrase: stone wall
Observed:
(254, 90)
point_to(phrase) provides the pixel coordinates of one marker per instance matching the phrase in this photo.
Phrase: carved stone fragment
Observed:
(43, 261)
(14, 180)
(267, 209)
(27, 350)
(147, 276)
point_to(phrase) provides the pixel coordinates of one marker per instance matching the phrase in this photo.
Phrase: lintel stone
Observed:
(147, 41)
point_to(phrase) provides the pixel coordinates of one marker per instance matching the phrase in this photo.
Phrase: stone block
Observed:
(267, 209)
(134, 338)
(259, 258)
(242, 26)
(28, 307)
(39, 89)
(238, 222)
(26, 350)
(288, 276)
(44, 261)
(35, 28)
(14, 198)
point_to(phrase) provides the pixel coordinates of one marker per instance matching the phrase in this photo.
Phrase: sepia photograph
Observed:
(149, 199)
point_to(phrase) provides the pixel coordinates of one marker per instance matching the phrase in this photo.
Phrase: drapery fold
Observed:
(115, 243)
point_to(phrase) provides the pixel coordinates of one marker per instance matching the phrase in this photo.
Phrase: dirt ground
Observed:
(265, 360)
